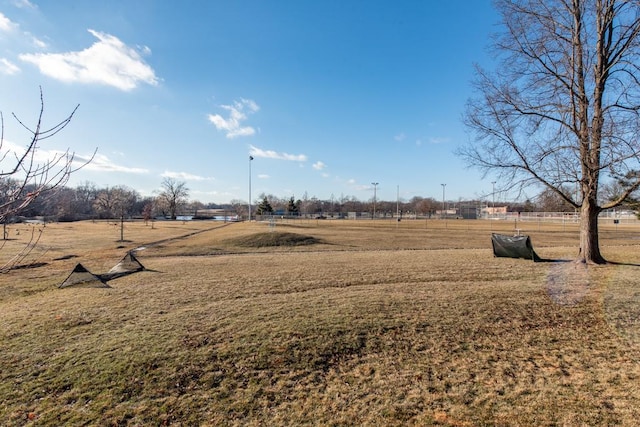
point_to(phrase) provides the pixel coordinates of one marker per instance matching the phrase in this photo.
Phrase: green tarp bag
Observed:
(513, 247)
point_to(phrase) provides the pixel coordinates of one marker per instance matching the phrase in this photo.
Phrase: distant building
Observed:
(494, 210)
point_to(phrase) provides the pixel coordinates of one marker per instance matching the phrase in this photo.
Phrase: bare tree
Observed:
(549, 201)
(30, 176)
(85, 194)
(425, 206)
(561, 109)
(173, 195)
(239, 207)
(115, 202)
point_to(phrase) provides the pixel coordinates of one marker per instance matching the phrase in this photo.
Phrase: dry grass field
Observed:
(327, 323)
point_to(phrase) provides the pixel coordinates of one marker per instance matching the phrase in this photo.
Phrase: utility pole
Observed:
(375, 187)
(250, 159)
(443, 209)
(493, 195)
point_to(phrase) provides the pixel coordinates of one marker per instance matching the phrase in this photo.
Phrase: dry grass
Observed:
(378, 324)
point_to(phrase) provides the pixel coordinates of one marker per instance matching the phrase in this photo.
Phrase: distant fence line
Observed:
(617, 217)
(620, 217)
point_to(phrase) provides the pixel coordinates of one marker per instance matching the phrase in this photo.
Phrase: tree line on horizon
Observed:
(88, 201)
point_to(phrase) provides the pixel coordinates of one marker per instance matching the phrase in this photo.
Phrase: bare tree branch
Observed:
(26, 175)
(563, 106)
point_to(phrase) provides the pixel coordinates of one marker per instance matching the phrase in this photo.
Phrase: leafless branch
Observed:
(26, 177)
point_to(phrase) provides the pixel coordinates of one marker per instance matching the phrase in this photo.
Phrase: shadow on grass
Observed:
(549, 260)
(629, 264)
(112, 276)
(32, 265)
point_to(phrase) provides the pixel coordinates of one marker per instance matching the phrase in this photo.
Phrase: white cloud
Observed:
(102, 163)
(108, 62)
(40, 44)
(232, 125)
(353, 184)
(185, 175)
(7, 67)
(24, 4)
(270, 154)
(319, 166)
(263, 176)
(17, 150)
(211, 193)
(99, 163)
(439, 140)
(400, 137)
(6, 25)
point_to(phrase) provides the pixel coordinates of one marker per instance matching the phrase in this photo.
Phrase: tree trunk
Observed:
(589, 244)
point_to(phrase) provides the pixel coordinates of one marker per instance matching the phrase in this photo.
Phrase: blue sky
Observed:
(326, 96)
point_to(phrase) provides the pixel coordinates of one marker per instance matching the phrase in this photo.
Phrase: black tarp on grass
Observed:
(513, 247)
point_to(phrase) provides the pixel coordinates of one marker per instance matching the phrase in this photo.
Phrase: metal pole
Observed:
(493, 195)
(375, 187)
(443, 210)
(250, 159)
(397, 206)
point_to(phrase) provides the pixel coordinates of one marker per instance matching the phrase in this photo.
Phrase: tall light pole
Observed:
(398, 202)
(375, 187)
(397, 206)
(493, 195)
(250, 159)
(443, 210)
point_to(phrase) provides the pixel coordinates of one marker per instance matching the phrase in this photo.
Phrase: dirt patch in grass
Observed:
(269, 239)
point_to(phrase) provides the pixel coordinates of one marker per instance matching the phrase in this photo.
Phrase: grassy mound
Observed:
(269, 239)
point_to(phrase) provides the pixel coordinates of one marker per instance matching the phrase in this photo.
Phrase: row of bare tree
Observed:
(546, 201)
(88, 201)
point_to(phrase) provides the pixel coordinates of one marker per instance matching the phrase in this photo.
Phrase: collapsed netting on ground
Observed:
(81, 277)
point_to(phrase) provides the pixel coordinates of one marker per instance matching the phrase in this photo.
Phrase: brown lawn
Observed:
(320, 323)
